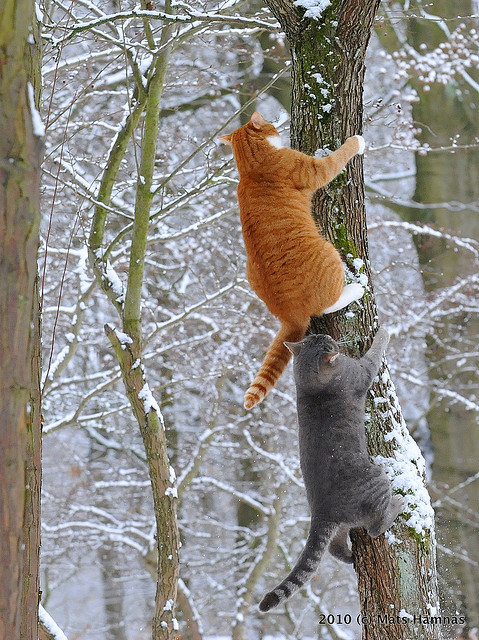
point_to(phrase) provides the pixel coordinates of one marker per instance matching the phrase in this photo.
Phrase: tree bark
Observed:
(450, 177)
(33, 479)
(443, 112)
(162, 481)
(31, 518)
(20, 152)
(397, 582)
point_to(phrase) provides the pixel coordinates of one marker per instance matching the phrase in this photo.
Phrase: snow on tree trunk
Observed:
(397, 579)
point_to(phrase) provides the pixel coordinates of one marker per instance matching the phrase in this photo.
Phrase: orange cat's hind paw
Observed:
(350, 293)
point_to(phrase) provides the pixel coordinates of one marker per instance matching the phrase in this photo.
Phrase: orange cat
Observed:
(290, 266)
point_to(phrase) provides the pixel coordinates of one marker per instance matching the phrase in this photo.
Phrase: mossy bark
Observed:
(327, 73)
(20, 153)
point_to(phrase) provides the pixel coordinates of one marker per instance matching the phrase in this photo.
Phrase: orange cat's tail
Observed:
(274, 363)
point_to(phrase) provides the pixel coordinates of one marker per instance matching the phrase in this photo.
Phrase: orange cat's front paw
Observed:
(361, 144)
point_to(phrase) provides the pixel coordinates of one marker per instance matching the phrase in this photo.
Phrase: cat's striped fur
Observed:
(319, 536)
(290, 266)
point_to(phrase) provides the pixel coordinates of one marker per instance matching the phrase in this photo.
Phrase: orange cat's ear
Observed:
(226, 139)
(257, 120)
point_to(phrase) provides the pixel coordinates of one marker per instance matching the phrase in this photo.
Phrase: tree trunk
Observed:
(397, 579)
(445, 113)
(450, 177)
(20, 151)
(31, 517)
(33, 480)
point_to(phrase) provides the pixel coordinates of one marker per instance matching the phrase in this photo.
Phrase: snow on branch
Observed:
(189, 15)
(189, 310)
(469, 244)
(439, 306)
(277, 458)
(443, 63)
(73, 416)
(49, 625)
(124, 533)
(192, 468)
(227, 488)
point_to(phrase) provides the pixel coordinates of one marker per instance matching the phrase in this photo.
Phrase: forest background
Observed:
(203, 332)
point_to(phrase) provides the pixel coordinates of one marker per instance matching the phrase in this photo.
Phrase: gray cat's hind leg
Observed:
(338, 547)
(380, 526)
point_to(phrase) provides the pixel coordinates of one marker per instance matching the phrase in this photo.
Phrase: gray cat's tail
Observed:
(307, 565)
(274, 363)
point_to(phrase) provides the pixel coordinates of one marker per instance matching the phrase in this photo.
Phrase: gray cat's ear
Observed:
(257, 120)
(294, 347)
(332, 357)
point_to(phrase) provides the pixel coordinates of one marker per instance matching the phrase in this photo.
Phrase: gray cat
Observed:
(344, 488)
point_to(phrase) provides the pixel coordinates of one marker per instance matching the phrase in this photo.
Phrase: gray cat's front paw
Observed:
(395, 508)
(382, 338)
(383, 334)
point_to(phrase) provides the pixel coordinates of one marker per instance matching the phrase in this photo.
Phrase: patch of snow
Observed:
(38, 126)
(358, 263)
(38, 12)
(123, 338)
(391, 538)
(319, 78)
(149, 402)
(169, 605)
(404, 614)
(407, 469)
(358, 275)
(115, 283)
(82, 269)
(314, 8)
